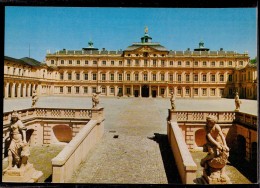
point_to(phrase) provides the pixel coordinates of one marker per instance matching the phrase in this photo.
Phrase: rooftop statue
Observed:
(215, 161)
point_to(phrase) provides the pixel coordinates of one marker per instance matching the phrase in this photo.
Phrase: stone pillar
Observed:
(116, 90)
(158, 91)
(28, 90)
(13, 91)
(140, 91)
(132, 90)
(7, 90)
(19, 90)
(167, 91)
(107, 92)
(24, 90)
(150, 91)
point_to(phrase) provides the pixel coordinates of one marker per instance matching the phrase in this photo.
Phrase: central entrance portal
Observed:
(145, 91)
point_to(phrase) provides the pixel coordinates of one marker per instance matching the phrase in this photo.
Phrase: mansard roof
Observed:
(24, 61)
(155, 46)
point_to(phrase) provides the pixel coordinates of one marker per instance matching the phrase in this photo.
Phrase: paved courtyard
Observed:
(134, 148)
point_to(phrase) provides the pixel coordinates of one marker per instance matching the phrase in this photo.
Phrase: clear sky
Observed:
(55, 28)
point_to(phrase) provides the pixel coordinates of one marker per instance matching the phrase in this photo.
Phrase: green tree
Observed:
(253, 61)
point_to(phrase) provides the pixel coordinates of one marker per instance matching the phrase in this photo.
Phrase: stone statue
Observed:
(237, 102)
(34, 98)
(18, 151)
(215, 161)
(95, 100)
(172, 99)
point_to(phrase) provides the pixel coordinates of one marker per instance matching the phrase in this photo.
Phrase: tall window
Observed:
(221, 92)
(69, 89)
(69, 76)
(52, 62)
(61, 76)
(154, 77)
(86, 76)
(145, 77)
(221, 78)
(128, 91)
(154, 62)
(120, 63)
(77, 76)
(230, 78)
(241, 63)
(162, 91)
(94, 76)
(61, 89)
(128, 62)
(187, 77)
(162, 77)
(136, 62)
(85, 89)
(195, 77)
(230, 63)
(86, 62)
(103, 77)
(112, 63)
(204, 63)
(213, 63)
(145, 62)
(103, 90)
(204, 77)
(213, 78)
(179, 63)
(213, 91)
(70, 62)
(179, 78)
(221, 63)
(128, 77)
(104, 62)
(78, 62)
(196, 63)
(77, 90)
(187, 91)
(62, 62)
(136, 77)
(94, 62)
(162, 63)
(179, 91)
(171, 63)
(187, 63)
(112, 77)
(196, 91)
(112, 90)
(120, 77)
(94, 89)
(204, 91)
(171, 77)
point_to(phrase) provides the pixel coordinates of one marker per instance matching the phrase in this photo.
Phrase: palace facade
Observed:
(144, 69)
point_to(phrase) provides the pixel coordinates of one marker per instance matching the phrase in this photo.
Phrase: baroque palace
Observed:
(144, 69)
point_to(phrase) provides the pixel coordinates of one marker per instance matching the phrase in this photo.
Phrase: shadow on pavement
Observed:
(168, 158)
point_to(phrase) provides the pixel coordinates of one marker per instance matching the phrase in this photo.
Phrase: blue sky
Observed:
(55, 28)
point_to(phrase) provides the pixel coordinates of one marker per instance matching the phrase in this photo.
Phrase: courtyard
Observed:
(134, 148)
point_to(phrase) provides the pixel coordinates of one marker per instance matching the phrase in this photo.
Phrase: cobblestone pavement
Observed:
(140, 153)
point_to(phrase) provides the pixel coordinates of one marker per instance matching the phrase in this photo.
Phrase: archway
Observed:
(63, 133)
(145, 91)
(241, 145)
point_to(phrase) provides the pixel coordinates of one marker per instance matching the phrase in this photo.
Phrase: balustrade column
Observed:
(7, 90)
(13, 91)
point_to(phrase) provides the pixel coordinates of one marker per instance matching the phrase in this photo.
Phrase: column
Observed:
(29, 90)
(13, 91)
(132, 90)
(116, 90)
(123, 90)
(158, 91)
(140, 91)
(167, 91)
(39, 90)
(6, 90)
(107, 90)
(150, 91)
(24, 90)
(19, 90)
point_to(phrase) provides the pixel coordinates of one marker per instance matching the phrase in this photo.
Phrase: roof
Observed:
(156, 46)
(24, 61)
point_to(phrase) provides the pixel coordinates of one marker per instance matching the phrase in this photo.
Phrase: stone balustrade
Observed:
(200, 116)
(186, 166)
(248, 120)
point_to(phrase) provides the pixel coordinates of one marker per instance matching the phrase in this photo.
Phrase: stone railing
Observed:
(200, 116)
(69, 159)
(246, 119)
(186, 166)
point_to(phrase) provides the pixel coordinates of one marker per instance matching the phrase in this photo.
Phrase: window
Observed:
(69, 76)
(136, 62)
(94, 62)
(78, 62)
(103, 76)
(85, 89)
(61, 76)
(104, 62)
(187, 91)
(230, 63)
(86, 62)
(204, 91)
(230, 78)
(128, 62)
(86, 76)
(94, 76)
(77, 90)
(112, 77)
(171, 77)
(162, 63)
(120, 63)
(69, 89)
(179, 78)
(204, 63)
(196, 63)
(112, 90)
(221, 63)
(213, 91)
(70, 62)
(14, 71)
(230, 91)
(77, 76)
(213, 63)
(62, 62)
(221, 92)
(213, 78)
(187, 77)
(162, 91)
(145, 77)
(128, 77)
(187, 63)
(179, 63)
(120, 77)
(103, 90)
(171, 63)
(179, 91)
(196, 91)
(162, 77)
(195, 77)
(52, 62)
(94, 89)
(241, 63)
(61, 89)
(145, 62)
(221, 78)
(154, 62)
(128, 90)
(136, 77)
(204, 77)
(154, 77)
(112, 62)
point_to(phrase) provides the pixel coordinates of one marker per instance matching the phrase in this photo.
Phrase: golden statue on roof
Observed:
(146, 30)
